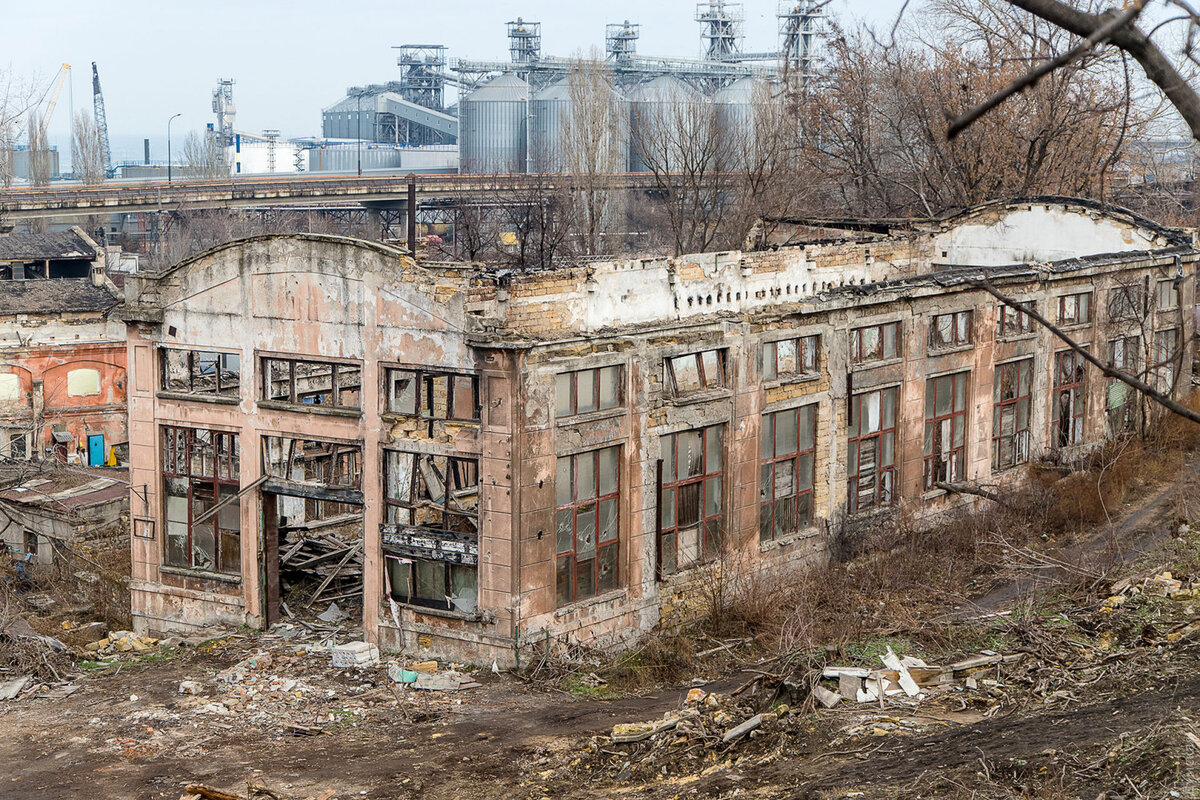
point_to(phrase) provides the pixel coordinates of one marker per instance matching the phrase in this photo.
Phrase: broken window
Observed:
(312, 383)
(18, 446)
(696, 372)
(1166, 348)
(875, 343)
(1166, 295)
(1075, 309)
(871, 450)
(950, 330)
(432, 394)
(201, 372)
(431, 529)
(1011, 393)
(1013, 321)
(1126, 302)
(789, 357)
(588, 390)
(690, 509)
(587, 522)
(332, 465)
(1069, 399)
(787, 473)
(1124, 353)
(945, 429)
(200, 470)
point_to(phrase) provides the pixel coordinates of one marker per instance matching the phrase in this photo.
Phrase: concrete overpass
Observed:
(378, 191)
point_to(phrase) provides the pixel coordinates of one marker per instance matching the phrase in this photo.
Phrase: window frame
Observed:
(1014, 321)
(1172, 295)
(706, 385)
(1081, 299)
(884, 491)
(264, 364)
(1078, 389)
(1165, 353)
(807, 352)
(177, 462)
(1126, 302)
(961, 335)
(573, 378)
(769, 464)
(1020, 438)
(424, 405)
(574, 508)
(218, 391)
(856, 337)
(953, 468)
(710, 528)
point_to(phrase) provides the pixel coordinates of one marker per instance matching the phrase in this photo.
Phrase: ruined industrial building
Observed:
(489, 459)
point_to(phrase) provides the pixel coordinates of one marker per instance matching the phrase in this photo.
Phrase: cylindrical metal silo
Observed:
(652, 105)
(594, 137)
(735, 115)
(547, 109)
(492, 127)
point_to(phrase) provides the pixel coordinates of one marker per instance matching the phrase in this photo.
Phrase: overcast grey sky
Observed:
(292, 57)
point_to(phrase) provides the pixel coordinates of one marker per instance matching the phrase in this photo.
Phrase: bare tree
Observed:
(593, 137)
(677, 140)
(88, 150)
(204, 156)
(40, 164)
(17, 97)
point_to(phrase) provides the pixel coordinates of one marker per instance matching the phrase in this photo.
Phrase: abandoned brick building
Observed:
(488, 460)
(62, 358)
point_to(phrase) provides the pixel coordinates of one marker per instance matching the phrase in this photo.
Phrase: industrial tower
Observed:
(797, 33)
(101, 119)
(525, 41)
(720, 29)
(423, 74)
(222, 106)
(620, 40)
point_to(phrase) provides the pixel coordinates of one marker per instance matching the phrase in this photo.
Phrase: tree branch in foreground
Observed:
(963, 121)
(1108, 371)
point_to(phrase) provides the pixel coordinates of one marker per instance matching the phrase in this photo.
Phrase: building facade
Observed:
(500, 460)
(62, 357)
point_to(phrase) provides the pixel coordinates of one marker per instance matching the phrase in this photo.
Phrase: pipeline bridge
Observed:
(390, 191)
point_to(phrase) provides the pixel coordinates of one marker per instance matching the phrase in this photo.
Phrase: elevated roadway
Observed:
(290, 190)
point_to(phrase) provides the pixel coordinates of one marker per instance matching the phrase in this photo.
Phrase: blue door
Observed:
(96, 449)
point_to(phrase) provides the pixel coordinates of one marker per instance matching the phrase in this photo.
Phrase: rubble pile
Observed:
(322, 564)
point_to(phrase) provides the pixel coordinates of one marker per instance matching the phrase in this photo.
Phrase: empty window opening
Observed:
(200, 372)
(1069, 400)
(312, 383)
(200, 469)
(433, 394)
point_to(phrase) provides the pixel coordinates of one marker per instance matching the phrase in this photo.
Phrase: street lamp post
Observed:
(169, 121)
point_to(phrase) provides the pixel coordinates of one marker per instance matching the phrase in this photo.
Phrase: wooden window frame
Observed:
(218, 390)
(770, 460)
(1081, 299)
(423, 404)
(707, 382)
(293, 396)
(962, 325)
(1076, 387)
(953, 468)
(572, 379)
(179, 450)
(1172, 295)
(567, 589)
(1013, 321)
(1020, 439)
(856, 337)
(807, 358)
(886, 478)
(710, 527)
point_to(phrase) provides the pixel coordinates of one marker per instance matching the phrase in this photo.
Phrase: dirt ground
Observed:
(1117, 710)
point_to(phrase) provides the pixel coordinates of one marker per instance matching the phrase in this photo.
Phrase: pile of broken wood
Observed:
(315, 555)
(904, 678)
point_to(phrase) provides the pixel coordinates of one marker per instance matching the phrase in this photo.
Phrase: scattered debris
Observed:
(356, 654)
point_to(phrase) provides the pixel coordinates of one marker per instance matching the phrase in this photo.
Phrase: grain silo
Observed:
(492, 124)
(654, 107)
